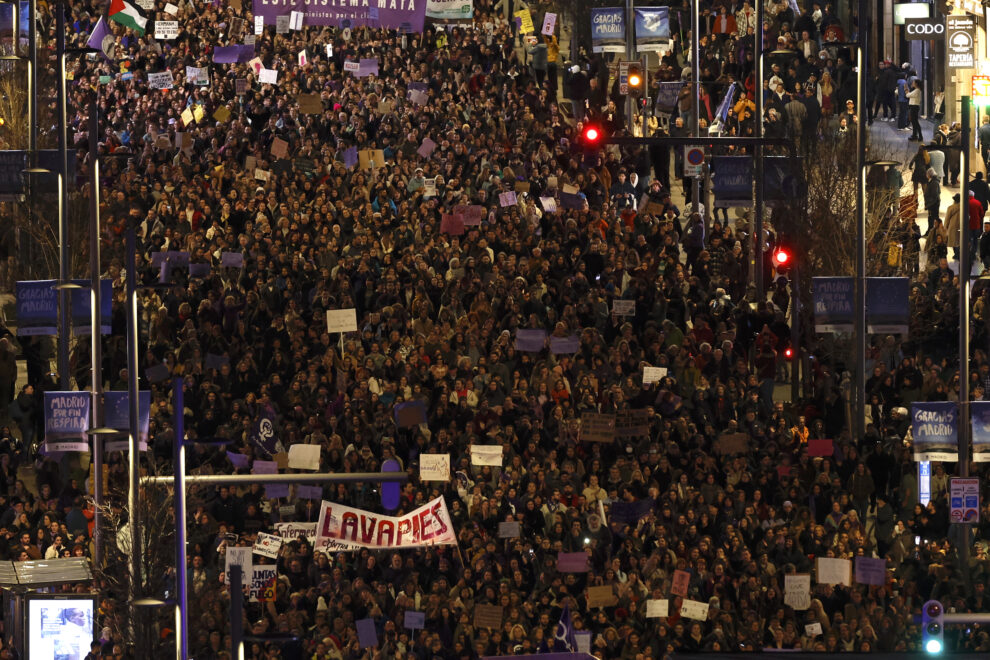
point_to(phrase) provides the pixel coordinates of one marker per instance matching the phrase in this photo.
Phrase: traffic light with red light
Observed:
(782, 258)
(636, 80)
(788, 352)
(592, 134)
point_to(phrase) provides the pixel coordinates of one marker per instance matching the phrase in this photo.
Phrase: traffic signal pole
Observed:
(630, 56)
(696, 99)
(965, 285)
(756, 242)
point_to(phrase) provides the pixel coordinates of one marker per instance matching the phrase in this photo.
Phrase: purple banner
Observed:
(405, 15)
(564, 345)
(530, 341)
(233, 54)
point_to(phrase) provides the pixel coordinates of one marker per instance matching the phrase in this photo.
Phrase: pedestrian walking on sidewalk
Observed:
(914, 108)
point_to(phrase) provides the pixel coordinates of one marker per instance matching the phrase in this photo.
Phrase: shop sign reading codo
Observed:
(916, 29)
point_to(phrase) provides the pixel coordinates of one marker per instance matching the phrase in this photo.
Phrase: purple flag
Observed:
(572, 562)
(233, 54)
(871, 571)
(264, 467)
(102, 39)
(367, 635)
(368, 67)
(232, 259)
(276, 490)
(263, 434)
(199, 270)
(350, 157)
(414, 620)
(214, 361)
(629, 512)
(309, 492)
(237, 460)
(530, 341)
(563, 345)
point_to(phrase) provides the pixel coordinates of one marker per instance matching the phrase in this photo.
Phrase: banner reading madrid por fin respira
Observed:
(345, 528)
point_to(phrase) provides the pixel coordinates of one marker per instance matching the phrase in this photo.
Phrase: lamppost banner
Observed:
(934, 431)
(608, 30)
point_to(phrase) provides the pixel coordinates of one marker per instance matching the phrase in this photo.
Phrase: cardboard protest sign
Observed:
(310, 104)
(371, 158)
(597, 427)
(240, 86)
(603, 596)
(509, 530)
(632, 423)
(549, 23)
(222, 114)
(797, 591)
(732, 443)
(488, 616)
(234, 556)
(280, 148)
(813, 629)
(187, 117)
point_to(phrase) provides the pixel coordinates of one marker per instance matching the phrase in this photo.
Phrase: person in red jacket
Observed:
(975, 225)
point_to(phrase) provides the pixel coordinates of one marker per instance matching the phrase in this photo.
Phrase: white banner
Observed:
(161, 80)
(486, 455)
(450, 9)
(290, 531)
(267, 545)
(166, 29)
(428, 525)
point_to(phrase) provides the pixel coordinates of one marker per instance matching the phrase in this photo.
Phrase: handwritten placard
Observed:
(507, 198)
(509, 530)
(797, 591)
(602, 596)
(680, 582)
(657, 608)
(434, 467)
(267, 545)
(653, 374)
(304, 457)
(624, 307)
(692, 609)
(597, 427)
(342, 320)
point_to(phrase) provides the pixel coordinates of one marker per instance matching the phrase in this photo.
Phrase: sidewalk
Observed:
(885, 137)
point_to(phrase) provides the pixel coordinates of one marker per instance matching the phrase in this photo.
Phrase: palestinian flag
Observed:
(128, 15)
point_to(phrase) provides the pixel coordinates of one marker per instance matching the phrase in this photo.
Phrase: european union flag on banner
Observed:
(563, 636)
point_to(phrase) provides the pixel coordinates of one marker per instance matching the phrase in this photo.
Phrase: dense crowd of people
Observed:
(720, 482)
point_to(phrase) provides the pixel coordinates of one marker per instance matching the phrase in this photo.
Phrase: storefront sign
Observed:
(918, 29)
(981, 90)
(961, 46)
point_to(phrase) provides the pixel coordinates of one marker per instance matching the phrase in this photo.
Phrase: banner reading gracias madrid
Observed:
(405, 15)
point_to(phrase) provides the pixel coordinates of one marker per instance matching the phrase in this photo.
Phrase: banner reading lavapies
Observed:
(343, 525)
